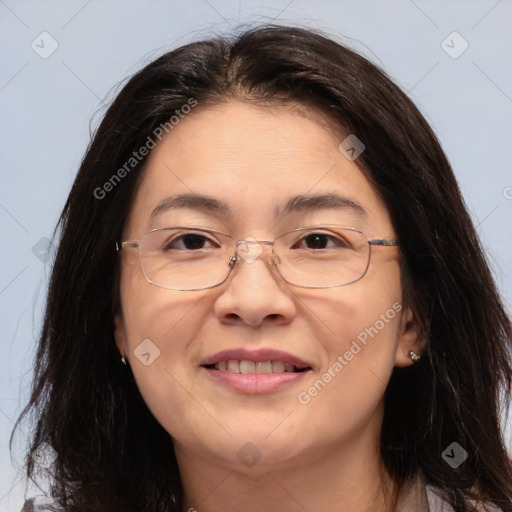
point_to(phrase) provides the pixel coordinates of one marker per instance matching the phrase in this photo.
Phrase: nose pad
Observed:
(249, 249)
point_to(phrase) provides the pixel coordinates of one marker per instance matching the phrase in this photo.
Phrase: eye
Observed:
(189, 242)
(321, 241)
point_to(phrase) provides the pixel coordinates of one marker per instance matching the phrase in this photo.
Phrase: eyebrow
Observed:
(323, 201)
(193, 201)
(299, 203)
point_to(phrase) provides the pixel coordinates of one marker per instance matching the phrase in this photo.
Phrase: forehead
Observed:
(254, 161)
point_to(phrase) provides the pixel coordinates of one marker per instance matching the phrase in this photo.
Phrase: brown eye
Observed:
(189, 242)
(321, 241)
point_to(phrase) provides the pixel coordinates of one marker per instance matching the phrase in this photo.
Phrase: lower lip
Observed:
(256, 383)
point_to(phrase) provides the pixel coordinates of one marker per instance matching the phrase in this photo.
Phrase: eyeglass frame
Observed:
(132, 244)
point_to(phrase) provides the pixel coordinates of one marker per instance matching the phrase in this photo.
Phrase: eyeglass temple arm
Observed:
(125, 245)
(381, 241)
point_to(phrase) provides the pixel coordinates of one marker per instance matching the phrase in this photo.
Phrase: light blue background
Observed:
(47, 104)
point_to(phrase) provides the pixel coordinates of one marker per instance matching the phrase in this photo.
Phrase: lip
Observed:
(255, 383)
(267, 354)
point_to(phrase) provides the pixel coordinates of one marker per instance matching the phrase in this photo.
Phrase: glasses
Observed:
(185, 258)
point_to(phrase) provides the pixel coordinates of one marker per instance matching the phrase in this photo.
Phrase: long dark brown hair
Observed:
(112, 453)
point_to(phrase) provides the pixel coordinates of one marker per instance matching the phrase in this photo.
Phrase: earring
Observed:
(413, 356)
(123, 360)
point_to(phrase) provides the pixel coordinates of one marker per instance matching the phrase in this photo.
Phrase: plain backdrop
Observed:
(60, 60)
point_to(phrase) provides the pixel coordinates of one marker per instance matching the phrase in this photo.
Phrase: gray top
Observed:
(416, 496)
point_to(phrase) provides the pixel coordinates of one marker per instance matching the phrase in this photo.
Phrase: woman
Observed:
(269, 295)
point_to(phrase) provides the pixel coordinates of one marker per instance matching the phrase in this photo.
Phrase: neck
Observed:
(349, 478)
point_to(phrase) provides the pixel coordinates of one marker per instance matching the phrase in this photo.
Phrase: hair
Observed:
(112, 453)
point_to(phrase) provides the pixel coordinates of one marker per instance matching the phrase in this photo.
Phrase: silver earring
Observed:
(413, 356)
(123, 360)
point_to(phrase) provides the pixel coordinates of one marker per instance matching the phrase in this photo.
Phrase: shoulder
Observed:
(37, 504)
(438, 504)
(416, 496)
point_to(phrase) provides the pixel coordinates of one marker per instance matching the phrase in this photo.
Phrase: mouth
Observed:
(253, 372)
(248, 367)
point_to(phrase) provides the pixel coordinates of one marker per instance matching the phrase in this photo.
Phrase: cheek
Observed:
(168, 318)
(365, 310)
(160, 326)
(360, 327)
(362, 334)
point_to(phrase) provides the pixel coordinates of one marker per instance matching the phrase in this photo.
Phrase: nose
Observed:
(255, 293)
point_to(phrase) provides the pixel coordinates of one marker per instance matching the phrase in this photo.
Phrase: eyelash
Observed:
(300, 240)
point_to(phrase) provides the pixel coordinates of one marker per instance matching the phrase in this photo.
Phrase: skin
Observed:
(322, 456)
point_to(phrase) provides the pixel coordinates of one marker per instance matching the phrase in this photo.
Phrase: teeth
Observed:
(233, 366)
(263, 367)
(247, 367)
(259, 367)
(277, 366)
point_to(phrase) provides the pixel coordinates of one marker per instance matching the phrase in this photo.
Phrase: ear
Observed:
(411, 337)
(120, 335)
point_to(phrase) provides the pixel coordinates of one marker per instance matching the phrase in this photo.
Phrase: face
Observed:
(349, 337)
